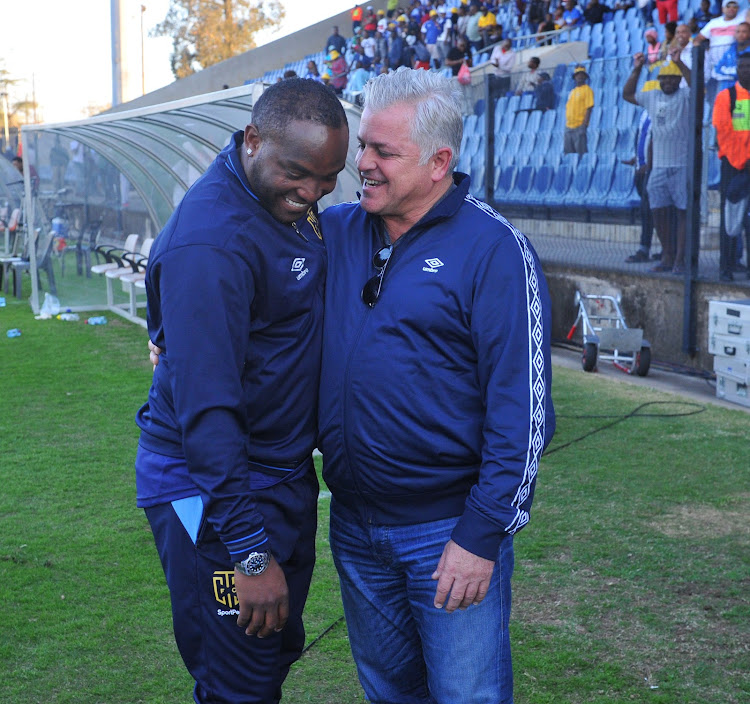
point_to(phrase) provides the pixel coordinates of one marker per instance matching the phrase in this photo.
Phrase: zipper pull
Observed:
(297, 230)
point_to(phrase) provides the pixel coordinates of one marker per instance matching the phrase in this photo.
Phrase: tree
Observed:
(205, 32)
(23, 112)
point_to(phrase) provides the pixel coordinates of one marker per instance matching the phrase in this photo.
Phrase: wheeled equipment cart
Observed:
(607, 336)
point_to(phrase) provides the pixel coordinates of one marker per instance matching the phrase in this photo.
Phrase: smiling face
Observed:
(669, 84)
(394, 184)
(682, 34)
(290, 173)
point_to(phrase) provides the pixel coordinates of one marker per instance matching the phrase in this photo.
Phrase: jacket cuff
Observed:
(240, 548)
(479, 536)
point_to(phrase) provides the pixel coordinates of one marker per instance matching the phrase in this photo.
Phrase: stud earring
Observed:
(249, 152)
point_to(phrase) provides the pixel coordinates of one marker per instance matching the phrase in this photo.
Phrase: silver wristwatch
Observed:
(254, 564)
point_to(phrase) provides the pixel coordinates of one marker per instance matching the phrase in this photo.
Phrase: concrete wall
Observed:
(654, 304)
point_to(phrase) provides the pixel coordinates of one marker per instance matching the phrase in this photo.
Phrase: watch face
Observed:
(255, 563)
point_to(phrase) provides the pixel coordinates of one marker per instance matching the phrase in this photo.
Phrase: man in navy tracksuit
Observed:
(435, 405)
(224, 471)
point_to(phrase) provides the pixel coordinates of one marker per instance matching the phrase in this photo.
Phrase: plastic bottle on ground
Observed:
(68, 316)
(15, 332)
(97, 320)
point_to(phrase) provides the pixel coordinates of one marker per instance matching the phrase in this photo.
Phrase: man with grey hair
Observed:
(434, 404)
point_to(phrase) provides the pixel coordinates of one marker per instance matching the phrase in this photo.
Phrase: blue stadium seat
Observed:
(476, 188)
(553, 160)
(541, 146)
(579, 186)
(611, 50)
(519, 124)
(558, 77)
(628, 115)
(536, 159)
(527, 101)
(607, 141)
(560, 184)
(597, 52)
(560, 115)
(596, 70)
(470, 124)
(601, 184)
(514, 103)
(473, 142)
(623, 195)
(589, 159)
(479, 156)
(556, 142)
(504, 183)
(571, 160)
(500, 140)
(480, 126)
(464, 164)
(500, 108)
(608, 98)
(479, 108)
(534, 122)
(596, 117)
(521, 159)
(625, 147)
(526, 146)
(512, 148)
(540, 186)
(593, 136)
(609, 119)
(548, 120)
(506, 123)
(524, 181)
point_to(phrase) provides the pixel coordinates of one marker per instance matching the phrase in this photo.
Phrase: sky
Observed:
(60, 51)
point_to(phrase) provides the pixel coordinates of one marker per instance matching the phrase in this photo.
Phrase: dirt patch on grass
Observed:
(701, 521)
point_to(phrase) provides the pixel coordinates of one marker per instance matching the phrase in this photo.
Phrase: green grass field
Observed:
(632, 580)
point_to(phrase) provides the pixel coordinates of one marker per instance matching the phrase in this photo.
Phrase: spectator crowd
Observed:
(451, 38)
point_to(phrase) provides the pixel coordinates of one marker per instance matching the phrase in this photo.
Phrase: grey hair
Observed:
(437, 117)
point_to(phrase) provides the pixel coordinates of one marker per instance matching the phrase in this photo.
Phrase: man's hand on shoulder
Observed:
(463, 575)
(263, 601)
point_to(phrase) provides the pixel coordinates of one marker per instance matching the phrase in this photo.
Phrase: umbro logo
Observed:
(298, 265)
(432, 265)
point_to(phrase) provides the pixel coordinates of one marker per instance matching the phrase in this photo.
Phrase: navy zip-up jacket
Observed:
(436, 402)
(235, 300)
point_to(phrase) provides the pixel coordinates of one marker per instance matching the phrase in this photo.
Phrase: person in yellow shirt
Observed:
(487, 24)
(578, 113)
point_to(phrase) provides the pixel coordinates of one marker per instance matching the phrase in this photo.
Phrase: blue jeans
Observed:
(406, 650)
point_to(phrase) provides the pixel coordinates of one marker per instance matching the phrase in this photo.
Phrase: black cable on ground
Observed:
(322, 635)
(696, 408)
(636, 412)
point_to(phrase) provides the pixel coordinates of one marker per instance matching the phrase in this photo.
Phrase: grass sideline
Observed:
(632, 580)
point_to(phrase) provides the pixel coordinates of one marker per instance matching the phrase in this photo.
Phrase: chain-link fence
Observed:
(586, 208)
